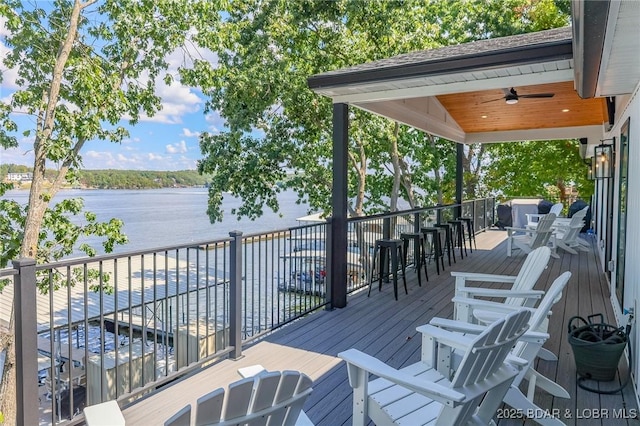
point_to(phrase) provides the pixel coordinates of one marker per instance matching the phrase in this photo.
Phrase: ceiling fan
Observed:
(511, 96)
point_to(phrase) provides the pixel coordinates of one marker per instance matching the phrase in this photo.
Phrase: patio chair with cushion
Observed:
(420, 394)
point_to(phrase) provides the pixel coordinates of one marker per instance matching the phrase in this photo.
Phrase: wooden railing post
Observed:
(26, 342)
(235, 294)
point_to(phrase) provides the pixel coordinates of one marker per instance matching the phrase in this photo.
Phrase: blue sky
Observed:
(166, 141)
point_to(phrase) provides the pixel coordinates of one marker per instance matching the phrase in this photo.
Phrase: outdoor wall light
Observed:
(601, 162)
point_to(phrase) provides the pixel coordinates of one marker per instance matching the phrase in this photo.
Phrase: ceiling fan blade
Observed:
(493, 100)
(538, 95)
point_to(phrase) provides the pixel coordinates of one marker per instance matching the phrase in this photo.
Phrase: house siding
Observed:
(630, 108)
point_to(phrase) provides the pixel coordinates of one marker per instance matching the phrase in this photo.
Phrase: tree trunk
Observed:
(38, 202)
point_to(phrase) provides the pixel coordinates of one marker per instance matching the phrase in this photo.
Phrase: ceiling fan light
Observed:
(512, 101)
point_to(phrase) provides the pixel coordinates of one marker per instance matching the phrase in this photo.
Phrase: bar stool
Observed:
(458, 230)
(396, 254)
(471, 230)
(448, 241)
(419, 252)
(436, 245)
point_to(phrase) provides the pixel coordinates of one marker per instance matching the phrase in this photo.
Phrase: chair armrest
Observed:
(501, 292)
(457, 326)
(516, 361)
(464, 327)
(511, 228)
(487, 305)
(357, 360)
(103, 413)
(473, 276)
(445, 337)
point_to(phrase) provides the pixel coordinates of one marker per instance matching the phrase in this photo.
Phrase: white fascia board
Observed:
(594, 133)
(502, 82)
(436, 120)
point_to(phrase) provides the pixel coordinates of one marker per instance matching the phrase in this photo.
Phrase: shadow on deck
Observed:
(385, 328)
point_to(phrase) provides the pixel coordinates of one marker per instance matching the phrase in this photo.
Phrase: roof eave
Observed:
(536, 53)
(589, 23)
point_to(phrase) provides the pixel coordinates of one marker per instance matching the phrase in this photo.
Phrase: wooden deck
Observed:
(385, 328)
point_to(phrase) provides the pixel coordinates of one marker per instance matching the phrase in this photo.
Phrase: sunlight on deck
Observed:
(271, 356)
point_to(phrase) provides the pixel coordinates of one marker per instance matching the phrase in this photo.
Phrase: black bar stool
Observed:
(448, 241)
(436, 245)
(471, 230)
(458, 237)
(396, 255)
(419, 252)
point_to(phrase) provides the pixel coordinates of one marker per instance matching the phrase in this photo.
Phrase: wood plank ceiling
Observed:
(487, 111)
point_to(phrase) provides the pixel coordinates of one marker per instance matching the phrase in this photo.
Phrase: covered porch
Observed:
(385, 328)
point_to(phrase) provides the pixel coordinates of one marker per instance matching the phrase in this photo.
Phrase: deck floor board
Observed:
(385, 328)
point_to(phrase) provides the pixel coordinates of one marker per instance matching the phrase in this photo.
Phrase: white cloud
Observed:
(9, 76)
(189, 134)
(177, 101)
(215, 122)
(177, 148)
(131, 140)
(154, 157)
(3, 27)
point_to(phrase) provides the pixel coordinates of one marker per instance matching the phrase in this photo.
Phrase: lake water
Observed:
(171, 216)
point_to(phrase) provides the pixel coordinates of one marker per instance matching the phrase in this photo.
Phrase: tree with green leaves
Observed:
(267, 49)
(541, 168)
(83, 68)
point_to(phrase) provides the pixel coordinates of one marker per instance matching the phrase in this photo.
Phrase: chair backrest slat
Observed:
(295, 407)
(238, 398)
(543, 231)
(489, 349)
(209, 407)
(531, 269)
(556, 209)
(181, 418)
(538, 321)
(265, 391)
(268, 398)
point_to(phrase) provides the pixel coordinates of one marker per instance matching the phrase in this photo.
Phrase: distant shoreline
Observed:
(113, 179)
(26, 187)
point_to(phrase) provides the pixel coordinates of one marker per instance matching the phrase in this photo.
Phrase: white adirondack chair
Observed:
(521, 284)
(567, 232)
(528, 348)
(273, 397)
(267, 398)
(181, 418)
(528, 240)
(419, 394)
(533, 218)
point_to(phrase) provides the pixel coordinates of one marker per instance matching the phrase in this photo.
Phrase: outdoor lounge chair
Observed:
(420, 394)
(528, 240)
(567, 231)
(521, 284)
(266, 398)
(528, 348)
(534, 218)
